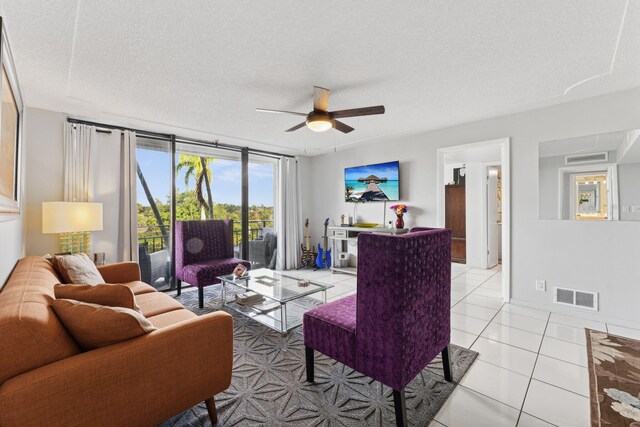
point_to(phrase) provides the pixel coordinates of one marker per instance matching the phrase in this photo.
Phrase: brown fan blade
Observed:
(344, 128)
(320, 98)
(296, 127)
(354, 112)
(265, 110)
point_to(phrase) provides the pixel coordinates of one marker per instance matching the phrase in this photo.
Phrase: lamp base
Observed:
(77, 242)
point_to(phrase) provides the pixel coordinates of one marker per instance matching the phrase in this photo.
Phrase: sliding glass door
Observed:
(208, 185)
(262, 236)
(154, 211)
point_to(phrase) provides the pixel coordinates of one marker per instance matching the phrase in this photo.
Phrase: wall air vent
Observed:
(575, 298)
(586, 158)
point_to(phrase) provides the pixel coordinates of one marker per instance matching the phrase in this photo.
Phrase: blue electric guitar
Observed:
(324, 256)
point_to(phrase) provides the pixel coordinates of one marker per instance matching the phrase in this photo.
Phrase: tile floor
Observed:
(531, 369)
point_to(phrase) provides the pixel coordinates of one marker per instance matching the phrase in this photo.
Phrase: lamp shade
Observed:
(69, 217)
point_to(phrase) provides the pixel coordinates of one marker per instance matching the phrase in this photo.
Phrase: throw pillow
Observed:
(77, 268)
(113, 295)
(94, 326)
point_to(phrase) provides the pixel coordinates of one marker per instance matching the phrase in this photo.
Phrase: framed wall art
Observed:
(11, 109)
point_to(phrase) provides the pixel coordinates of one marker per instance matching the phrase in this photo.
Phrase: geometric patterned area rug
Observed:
(269, 385)
(614, 379)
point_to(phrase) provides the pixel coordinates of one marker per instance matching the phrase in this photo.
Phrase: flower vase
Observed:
(399, 221)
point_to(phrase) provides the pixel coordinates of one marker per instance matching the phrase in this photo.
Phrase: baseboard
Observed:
(576, 312)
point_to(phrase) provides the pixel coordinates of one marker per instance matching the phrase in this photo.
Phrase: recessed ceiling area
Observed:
(200, 68)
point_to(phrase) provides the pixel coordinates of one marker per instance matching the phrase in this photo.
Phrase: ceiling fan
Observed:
(320, 119)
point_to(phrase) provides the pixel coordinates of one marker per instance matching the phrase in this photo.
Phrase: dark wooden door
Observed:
(455, 219)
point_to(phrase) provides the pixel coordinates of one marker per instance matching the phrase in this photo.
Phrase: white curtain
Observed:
(77, 159)
(128, 215)
(612, 194)
(288, 213)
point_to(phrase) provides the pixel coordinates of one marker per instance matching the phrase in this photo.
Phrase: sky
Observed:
(381, 170)
(156, 168)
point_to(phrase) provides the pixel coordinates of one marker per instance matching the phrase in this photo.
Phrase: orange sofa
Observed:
(46, 380)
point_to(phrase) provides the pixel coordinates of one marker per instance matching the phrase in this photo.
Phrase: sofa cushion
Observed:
(331, 329)
(95, 326)
(170, 318)
(32, 335)
(139, 288)
(77, 268)
(152, 304)
(113, 295)
(207, 272)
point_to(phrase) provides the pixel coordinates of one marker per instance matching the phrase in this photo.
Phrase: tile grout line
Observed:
(535, 363)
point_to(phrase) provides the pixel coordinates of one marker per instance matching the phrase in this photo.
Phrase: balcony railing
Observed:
(152, 235)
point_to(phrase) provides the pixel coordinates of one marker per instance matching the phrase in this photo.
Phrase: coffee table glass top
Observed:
(275, 285)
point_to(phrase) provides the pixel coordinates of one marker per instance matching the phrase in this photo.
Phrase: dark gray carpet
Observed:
(269, 388)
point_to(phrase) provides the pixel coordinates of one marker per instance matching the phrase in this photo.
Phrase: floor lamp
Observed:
(74, 221)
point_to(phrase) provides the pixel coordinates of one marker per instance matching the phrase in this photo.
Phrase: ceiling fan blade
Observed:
(354, 112)
(320, 98)
(344, 128)
(266, 110)
(296, 127)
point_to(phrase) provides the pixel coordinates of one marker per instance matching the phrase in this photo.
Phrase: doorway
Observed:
(487, 200)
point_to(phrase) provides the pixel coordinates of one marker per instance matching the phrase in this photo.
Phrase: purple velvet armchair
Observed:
(399, 319)
(204, 251)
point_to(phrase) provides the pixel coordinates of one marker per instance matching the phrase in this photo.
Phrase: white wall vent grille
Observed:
(586, 158)
(575, 298)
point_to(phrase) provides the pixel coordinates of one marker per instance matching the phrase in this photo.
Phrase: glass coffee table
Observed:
(284, 299)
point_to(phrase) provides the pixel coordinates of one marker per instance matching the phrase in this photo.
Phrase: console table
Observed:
(342, 238)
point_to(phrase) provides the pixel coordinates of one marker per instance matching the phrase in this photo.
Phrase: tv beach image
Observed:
(372, 183)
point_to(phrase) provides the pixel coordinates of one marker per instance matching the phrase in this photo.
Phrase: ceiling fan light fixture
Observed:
(319, 122)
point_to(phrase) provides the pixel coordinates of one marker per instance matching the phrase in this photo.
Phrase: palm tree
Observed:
(198, 168)
(154, 207)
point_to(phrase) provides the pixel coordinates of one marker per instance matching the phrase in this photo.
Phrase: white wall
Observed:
(595, 256)
(474, 181)
(44, 181)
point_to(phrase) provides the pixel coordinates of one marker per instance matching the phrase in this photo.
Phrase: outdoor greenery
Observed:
(154, 219)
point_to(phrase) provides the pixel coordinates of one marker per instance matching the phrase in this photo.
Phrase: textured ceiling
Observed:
(201, 66)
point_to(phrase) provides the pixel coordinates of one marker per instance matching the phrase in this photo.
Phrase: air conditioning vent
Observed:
(575, 298)
(586, 158)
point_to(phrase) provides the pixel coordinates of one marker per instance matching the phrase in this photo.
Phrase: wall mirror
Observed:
(590, 178)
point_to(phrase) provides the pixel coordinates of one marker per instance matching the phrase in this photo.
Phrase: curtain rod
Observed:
(194, 141)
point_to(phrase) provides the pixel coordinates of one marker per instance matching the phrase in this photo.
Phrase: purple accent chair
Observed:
(204, 251)
(399, 319)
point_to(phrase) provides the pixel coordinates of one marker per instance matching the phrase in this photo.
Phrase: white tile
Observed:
(318, 274)
(576, 322)
(556, 406)
(518, 321)
(458, 294)
(461, 338)
(465, 407)
(476, 311)
(566, 333)
(526, 311)
(493, 293)
(482, 273)
(335, 278)
(463, 279)
(468, 324)
(498, 383)
(527, 420)
(562, 374)
(624, 331)
(463, 287)
(512, 336)
(493, 284)
(564, 350)
(484, 301)
(506, 356)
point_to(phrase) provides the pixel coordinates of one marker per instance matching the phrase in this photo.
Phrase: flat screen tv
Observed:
(372, 183)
